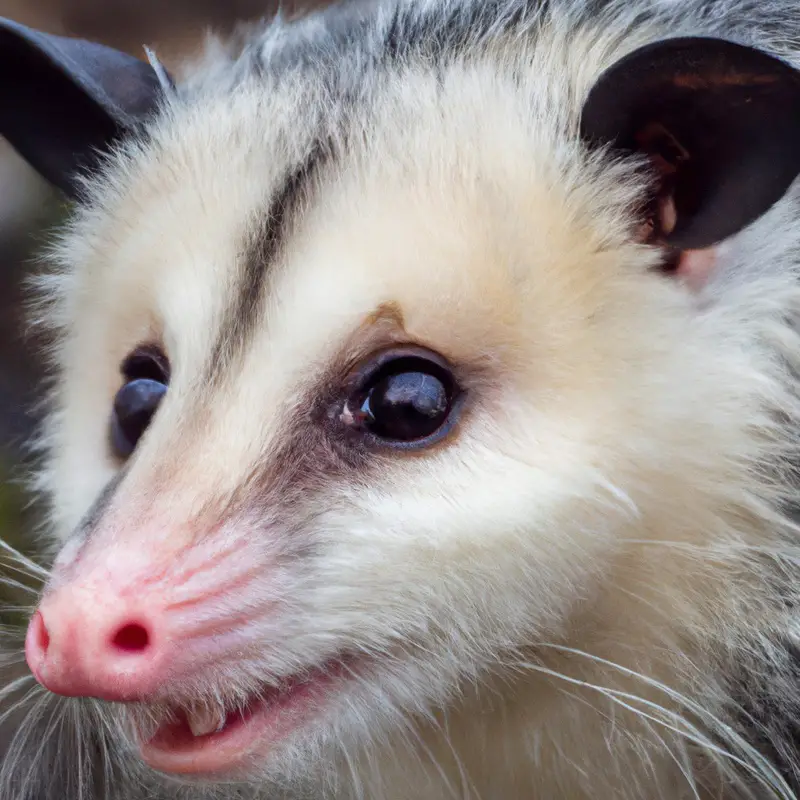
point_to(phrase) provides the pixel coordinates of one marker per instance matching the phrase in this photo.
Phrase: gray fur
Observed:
(348, 54)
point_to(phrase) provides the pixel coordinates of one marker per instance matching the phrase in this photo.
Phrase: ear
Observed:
(720, 123)
(64, 101)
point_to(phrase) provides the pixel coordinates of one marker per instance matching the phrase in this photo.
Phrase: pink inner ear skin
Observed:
(695, 267)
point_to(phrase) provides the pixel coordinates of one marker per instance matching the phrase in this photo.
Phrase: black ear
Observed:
(64, 101)
(720, 121)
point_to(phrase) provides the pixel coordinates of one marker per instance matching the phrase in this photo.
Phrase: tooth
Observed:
(203, 721)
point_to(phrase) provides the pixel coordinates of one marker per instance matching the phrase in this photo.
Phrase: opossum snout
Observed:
(82, 645)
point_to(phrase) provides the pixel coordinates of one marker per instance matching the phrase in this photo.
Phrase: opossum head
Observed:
(374, 377)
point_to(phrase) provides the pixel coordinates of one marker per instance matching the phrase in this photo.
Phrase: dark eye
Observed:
(146, 374)
(404, 399)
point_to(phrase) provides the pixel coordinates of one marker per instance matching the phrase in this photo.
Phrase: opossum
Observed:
(423, 420)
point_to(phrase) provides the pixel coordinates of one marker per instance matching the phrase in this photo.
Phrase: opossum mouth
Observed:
(202, 745)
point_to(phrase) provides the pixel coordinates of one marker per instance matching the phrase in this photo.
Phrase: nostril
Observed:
(132, 638)
(40, 634)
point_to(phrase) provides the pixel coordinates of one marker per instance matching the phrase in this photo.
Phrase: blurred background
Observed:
(29, 208)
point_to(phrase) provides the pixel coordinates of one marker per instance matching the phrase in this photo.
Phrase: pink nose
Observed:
(84, 652)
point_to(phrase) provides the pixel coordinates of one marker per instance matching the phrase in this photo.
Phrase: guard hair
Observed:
(587, 588)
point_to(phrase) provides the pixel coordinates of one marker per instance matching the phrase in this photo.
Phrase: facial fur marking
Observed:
(387, 313)
(83, 533)
(243, 314)
(100, 506)
(312, 450)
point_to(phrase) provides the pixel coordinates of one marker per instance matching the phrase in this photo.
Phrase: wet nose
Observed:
(105, 649)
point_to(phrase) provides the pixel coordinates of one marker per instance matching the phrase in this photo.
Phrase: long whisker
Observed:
(773, 781)
(14, 584)
(9, 565)
(757, 765)
(32, 566)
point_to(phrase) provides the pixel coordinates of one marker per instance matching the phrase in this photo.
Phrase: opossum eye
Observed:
(405, 398)
(146, 375)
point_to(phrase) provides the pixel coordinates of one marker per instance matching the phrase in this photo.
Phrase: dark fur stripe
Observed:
(244, 311)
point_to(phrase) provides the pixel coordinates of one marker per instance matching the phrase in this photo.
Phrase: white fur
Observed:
(551, 603)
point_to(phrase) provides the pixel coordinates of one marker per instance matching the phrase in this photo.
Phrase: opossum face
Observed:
(338, 486)
(351, 411)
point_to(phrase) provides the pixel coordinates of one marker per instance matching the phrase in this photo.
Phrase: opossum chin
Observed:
(195, 743)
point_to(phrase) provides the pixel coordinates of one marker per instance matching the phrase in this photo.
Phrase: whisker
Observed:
(760, 768)
(20, 558)
(11, 566)
(14, 584)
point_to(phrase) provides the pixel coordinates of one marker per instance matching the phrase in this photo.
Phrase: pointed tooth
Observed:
(204, 721)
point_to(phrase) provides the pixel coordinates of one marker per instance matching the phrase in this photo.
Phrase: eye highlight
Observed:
(404, 398)
(146, 374)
